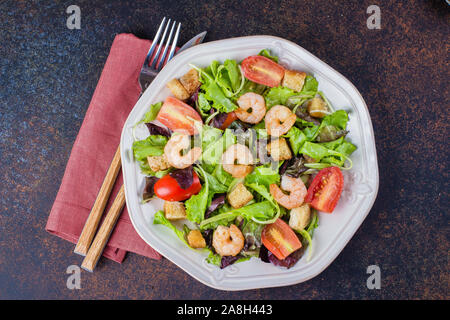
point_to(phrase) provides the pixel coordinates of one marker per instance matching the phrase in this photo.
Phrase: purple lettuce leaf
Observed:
(218, 120)
(293, 167)
(158, 130)
(184, 177)
(193, 99)
(207, 234)
(217, 201)
(149, 192)
(288, 262)
(228, 260)
(263, 254)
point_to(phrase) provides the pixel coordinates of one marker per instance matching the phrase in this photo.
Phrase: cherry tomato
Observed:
(177, 116)
(167, 188)
(325, 190)
(280, 239)
(231, 116)
(262, 70)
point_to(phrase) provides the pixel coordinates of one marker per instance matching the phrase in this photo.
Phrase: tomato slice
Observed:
(231, 116)
(325, 190)
(167, 188)
(280, 239)
(262, 70)
(177, 116)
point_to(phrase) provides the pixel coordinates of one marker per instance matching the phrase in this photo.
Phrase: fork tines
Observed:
(158, 60)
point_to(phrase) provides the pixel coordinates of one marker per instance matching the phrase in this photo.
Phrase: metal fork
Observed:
(154, 63)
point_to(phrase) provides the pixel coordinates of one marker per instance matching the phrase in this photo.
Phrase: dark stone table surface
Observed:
(49, 73)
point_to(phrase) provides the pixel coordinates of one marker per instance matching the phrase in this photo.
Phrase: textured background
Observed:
(49, 73)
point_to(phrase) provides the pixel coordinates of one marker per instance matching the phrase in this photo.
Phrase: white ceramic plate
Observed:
(334, 231)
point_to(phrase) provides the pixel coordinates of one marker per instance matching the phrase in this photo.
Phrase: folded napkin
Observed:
(116, 93)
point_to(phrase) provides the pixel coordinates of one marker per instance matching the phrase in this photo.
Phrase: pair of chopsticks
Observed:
(92, 250)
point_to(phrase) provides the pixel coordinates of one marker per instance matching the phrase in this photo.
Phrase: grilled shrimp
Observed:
(297, 194)
(252, 107)
(176, 144)
(279, 119)
(228, 241)
(237, 160)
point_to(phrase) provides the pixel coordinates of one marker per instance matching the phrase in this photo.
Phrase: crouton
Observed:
(178, 89)
(158, 163)
(294, 80)
(300, 217)
(174, 210)
(317, 108)
(279, 150)
(195, 239)
(190, 81)
(240, 196)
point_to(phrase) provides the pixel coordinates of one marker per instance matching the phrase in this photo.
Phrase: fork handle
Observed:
(102, 237)
(96, 213)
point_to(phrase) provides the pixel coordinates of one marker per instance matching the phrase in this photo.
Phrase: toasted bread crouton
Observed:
(317, 107)
(174, 210)
(178, 89)
(294, 80)
(240, 196)
(279, 150)
(195, 239)
(158, 163)
(190, 81)
(300, 217)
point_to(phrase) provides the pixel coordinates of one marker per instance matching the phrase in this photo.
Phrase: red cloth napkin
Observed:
(116, 93)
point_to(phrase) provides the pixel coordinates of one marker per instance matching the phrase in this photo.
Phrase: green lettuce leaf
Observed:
(209, 135)
(266, 53)
(324, 157)
(310, 86)
(197, 204)
(250, 86)
(145, 169)
(209, 72)
(214, 259)
(229, 77)
(333, 144)
(337, 119)
(340, 145)
(212, 90)
(315, 150)
(222, 176)
(346, 148)
(203, 105)
(151, 114)
(213, 153)
(263, 175)
(261, 211)
(152, 146)
(330, 133)
(296, 139)
(215, 186)
(278, 95)
(265, 194)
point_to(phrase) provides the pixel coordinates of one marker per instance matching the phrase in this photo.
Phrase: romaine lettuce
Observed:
(152, 146)
(263, 175)
(197, 204)
(266, 53)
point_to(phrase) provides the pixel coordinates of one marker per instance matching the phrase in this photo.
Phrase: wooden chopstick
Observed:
(96, 213)
(96, 250)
